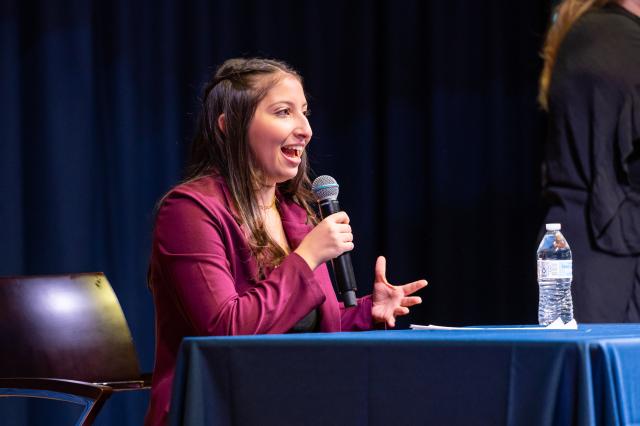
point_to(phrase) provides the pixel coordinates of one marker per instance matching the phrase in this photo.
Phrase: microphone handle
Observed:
(342, 266)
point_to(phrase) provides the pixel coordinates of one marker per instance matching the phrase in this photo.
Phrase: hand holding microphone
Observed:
(328, 240)
(331, 239)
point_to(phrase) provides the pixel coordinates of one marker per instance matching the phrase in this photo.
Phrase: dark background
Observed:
(424, 111)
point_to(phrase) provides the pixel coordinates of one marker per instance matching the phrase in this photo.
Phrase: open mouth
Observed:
(292, 152)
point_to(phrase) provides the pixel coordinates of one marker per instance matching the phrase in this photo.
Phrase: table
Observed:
(464, 377)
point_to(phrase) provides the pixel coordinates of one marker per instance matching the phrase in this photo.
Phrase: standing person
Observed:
(236, 247)
(590, 86)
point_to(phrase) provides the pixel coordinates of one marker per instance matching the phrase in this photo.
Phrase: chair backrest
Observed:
(64, 326)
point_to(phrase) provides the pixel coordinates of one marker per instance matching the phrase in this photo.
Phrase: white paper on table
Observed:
(556, 325)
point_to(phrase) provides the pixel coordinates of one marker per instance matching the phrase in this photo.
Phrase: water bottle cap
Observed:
(553, 226)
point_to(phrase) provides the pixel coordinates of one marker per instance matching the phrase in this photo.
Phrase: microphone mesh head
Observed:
(326, 188)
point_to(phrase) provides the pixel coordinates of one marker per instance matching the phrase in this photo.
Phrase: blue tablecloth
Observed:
(473, 377)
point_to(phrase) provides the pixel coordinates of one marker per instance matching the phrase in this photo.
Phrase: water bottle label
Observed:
(554, 269)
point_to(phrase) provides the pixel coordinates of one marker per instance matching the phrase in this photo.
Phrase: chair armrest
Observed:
(143, 382)
(72, 387)
(90, 395)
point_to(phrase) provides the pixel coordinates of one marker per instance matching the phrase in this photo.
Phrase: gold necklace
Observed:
(270, 206)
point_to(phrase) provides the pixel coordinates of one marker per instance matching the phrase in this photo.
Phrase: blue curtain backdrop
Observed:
(424, 111)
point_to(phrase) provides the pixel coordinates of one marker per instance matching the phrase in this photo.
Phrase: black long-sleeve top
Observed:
(591, 168)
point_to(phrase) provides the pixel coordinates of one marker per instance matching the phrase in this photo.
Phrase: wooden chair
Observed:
(65, 337)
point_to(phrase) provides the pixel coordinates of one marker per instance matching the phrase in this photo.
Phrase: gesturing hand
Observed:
(390, 301)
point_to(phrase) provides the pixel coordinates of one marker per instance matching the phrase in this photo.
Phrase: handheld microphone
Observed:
(326, 191)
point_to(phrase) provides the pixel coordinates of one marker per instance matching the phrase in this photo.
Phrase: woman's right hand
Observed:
(328, 240)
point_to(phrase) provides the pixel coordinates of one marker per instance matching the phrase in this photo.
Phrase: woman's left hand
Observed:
(390, 301)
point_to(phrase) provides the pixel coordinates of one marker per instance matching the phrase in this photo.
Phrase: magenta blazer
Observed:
(203, 281)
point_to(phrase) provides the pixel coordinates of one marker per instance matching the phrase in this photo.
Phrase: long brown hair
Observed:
(235, 90)
(565, 15)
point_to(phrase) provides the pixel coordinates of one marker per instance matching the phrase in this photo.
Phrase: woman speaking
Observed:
(237, 248)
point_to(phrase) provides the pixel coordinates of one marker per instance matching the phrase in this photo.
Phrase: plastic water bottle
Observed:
(555, 273)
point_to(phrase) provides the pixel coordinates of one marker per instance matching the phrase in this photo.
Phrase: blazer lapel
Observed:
(294, 221)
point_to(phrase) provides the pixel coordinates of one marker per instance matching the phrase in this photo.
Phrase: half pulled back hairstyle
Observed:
(235, 90)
